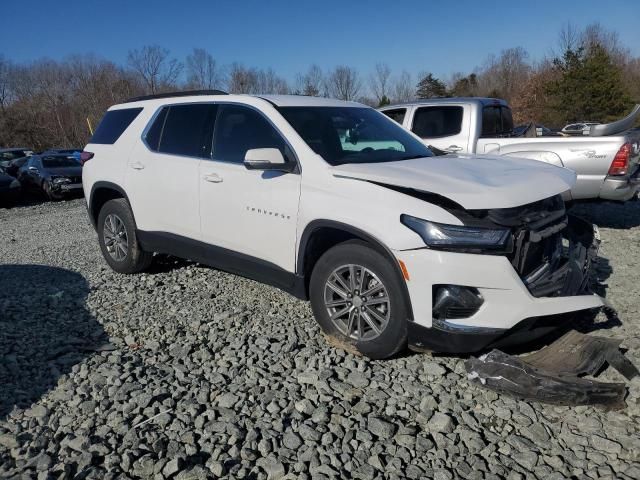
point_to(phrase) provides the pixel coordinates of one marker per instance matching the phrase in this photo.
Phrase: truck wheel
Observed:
(117, 237)
(357, 299)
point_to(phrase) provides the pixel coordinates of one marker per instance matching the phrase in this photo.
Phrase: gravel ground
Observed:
(186, 372)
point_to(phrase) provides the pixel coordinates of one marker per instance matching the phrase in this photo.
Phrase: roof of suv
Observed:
(484, 101)
(277, 100)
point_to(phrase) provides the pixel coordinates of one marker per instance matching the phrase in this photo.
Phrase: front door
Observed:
(248, 212)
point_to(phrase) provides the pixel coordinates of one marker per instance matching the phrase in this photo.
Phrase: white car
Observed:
(332, 201)
(582, 128)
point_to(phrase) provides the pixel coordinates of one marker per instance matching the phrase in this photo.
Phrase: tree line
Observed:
(589, 76)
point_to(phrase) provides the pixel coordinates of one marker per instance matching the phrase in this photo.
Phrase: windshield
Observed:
(353, 135)
(58, 162)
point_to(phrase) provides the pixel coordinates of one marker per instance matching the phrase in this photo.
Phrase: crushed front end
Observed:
(552, 252)
(472, 299)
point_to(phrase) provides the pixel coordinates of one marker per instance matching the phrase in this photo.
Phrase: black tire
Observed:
(393, 337)
(135, 259)
(54, 197)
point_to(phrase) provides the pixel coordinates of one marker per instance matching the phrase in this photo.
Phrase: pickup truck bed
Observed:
(482, 126)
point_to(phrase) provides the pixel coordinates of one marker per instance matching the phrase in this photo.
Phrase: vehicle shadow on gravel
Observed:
(45, 329)
(31, 199)
(166, 263)
(609, 214)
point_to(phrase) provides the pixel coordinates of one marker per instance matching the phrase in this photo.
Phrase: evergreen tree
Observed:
(466, 86)
(589, 86)
(384, 101)
(431, 87)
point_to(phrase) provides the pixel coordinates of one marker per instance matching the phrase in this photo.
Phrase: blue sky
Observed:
(438, 36)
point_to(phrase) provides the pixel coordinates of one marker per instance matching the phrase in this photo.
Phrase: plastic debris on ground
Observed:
(555, 373)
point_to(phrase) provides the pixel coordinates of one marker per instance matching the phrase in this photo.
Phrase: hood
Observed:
(64, 171)
(474, 182)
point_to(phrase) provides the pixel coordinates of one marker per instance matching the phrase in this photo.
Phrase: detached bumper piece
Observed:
(553, 374)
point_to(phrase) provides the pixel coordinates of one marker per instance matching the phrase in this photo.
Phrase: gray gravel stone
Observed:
(440, 423)
(380, 427)
(234, 379)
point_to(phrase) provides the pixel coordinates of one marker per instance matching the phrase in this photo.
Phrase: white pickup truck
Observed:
(605, 161)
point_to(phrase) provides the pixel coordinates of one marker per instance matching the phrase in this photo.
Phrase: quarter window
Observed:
(239, 129)
(397, 115)
(153, 134)
(113, 124)
(433, 122)
(187, 130)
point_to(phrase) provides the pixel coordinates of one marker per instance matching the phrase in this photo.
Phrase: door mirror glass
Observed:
(266, 159)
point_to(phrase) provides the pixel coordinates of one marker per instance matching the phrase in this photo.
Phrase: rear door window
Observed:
(396, 114)
(187, 130)
(433, 122)
(113, 124)
(496, 121)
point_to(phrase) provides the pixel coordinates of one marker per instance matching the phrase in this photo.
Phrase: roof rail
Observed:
(184, 93)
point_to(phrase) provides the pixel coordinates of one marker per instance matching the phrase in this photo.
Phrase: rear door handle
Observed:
(213, 178)
(453, 148)
(137, 166)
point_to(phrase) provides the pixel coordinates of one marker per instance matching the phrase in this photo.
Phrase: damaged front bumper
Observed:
(555, 373)
(524, 296)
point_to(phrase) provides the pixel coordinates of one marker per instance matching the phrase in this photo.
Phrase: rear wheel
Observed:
(357, 298)
(117, 237)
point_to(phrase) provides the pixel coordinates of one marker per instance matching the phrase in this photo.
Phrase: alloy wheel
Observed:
(115, 237)
(357, 302)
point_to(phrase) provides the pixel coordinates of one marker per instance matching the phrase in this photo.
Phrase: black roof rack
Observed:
(184, 93)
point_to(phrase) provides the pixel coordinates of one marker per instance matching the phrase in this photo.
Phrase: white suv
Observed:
(334, 202)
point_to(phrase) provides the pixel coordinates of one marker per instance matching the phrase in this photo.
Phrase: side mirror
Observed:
(267, 159)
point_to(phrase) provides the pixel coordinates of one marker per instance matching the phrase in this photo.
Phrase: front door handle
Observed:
(213, 178)
(137, 166)
(453, 148)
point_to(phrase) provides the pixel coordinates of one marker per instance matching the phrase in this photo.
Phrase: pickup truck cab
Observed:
(606, 166)
(333, 202)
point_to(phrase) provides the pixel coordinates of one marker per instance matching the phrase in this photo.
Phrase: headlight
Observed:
(59, 180)
(438, 235)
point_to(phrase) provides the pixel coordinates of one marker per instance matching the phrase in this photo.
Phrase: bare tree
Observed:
(380, 81)
(344, 83)
(5, 79)
(403, 88)
(504, 75)
(242, 79)
(311, 83)
(203, 72)
(270, 83)
(595, 35)
(157, 71)
(568, 39)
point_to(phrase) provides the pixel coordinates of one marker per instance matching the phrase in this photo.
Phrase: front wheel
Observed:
(357, 298)
(118, 241)
(51, 195)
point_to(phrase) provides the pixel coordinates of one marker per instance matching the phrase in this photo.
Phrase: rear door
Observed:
(444, 126)
(162, 173)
